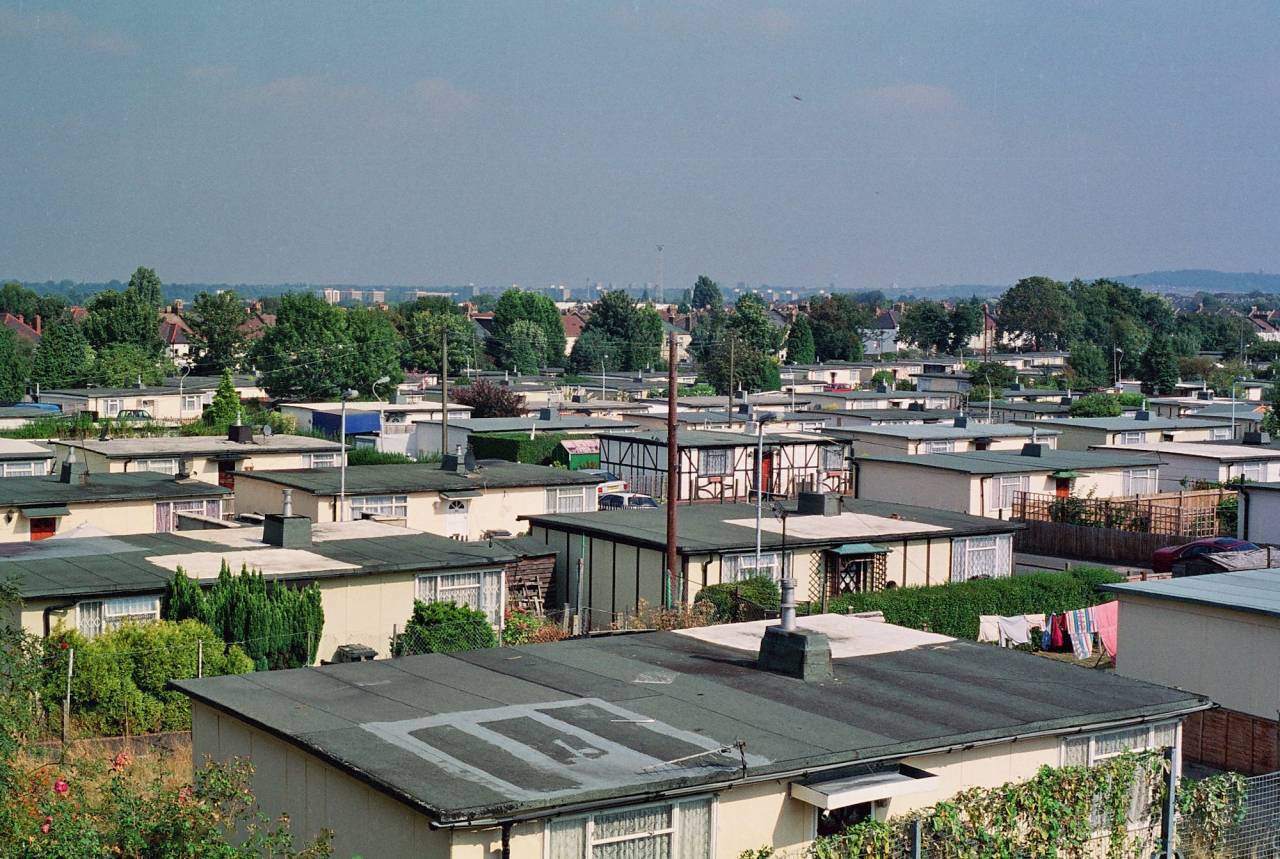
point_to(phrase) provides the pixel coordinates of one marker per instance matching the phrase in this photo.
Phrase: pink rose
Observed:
(60, 787)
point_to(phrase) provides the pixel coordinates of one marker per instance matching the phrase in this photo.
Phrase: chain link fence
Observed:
(1258, 835)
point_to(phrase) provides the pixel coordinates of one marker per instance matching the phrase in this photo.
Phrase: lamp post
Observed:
(347, 396)
(761, 420)
(382, 380)
(603, 359)
(1118, 352)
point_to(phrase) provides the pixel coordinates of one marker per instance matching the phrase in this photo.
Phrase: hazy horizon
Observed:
(873, 145)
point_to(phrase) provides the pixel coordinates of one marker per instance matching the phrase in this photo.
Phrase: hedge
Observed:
(953, 609)
(517, 446)
(443, 627)
(760, 590)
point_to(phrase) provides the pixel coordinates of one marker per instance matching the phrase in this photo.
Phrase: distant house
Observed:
(1185, 464)
(853, 418)
(383, 426)
(452, 500)
(881, 397)
(987, 483)
(881, 336)
(427, 434)
(24, 459)
(1014, 411)
(180, 400)
(1142, 428)
(960, 435)
(30, 332)
(176, 336)
(573, 322)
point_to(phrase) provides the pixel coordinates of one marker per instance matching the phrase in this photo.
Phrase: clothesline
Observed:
(1079, 625)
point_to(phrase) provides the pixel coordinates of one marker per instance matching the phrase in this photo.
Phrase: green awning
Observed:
(461, 493)
(43, 512)
(859, 549)
(1065, 474)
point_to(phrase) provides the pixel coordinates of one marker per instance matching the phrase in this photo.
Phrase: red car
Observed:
(1162, 560)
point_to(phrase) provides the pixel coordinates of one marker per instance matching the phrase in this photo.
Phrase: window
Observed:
(112, 407)
(23, 469)
(713, 462)
(1140, 481)
(156, 466)
(191, 403)
(1220, 434)
(379, 505)
(571, 499)
(735, 568)
(1251, 471)
(673, 830)
(94, 617)
(1131, 437)
(481, 591)
(832, 459)
(1089, 749)
(1007, 489)
(322, 460)
(941, 447)
(167, 511)
(981, 557)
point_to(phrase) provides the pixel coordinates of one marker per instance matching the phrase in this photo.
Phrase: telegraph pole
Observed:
(733, 343)
(673, 473)
(662, 292)
(444, 391)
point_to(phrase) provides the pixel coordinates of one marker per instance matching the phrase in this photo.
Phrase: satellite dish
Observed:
(267, 431)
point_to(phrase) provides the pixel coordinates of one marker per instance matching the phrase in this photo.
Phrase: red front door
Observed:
(44, 527)
(766, 471)
(1062, 488)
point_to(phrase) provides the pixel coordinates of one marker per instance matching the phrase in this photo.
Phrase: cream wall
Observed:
(203, 468)
(1260, 516)
(1202, 649)
(162, 407)
(1082, 438)
(116, 517)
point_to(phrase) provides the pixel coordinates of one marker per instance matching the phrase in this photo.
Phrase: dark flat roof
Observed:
(1012, 462)
(644, 700)
(29, 491)
(408, 478)
(1121, 424)
(715, 438)
(1253, 591)
(705, 527)
(555, 424)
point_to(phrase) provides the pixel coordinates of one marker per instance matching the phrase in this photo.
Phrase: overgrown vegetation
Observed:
(443, 627)
(745, 600)
(522, 627)
(278, 626)
(517, 446)
(953, 609)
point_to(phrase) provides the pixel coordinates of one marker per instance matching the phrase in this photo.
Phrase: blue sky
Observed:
(539, 142)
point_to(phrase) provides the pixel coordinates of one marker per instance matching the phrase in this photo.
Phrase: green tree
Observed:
(488, 400)
(122, 318)
(630, 335)
(1096, 406)
(123, 364)
(526, 345)
(592, 353)
(307, 353)
(146, 285)
(423, 335)
(838, 322)
(1159, 368)
(927, 325)
(20, 301)
(1271, 417)
(964, 322)
(64, 359)
(517, 305)
(800, 342)
(1089, 364)
(225, 408)
(375, 350)
(215, 320)
(1040, 310)
(13, 369)
(706, 294)
(444, 627)
(995, 375)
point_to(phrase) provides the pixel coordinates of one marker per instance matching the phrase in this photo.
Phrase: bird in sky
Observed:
(797, 98)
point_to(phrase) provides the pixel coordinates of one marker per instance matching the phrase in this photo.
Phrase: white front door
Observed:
(455, 519)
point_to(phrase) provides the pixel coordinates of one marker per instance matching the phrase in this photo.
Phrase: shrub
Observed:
(443, 627)
(373, 456)
(953, 609)
(1096, 406)
(517, 446)
(522, 627)
(724, 598)
(118, 680)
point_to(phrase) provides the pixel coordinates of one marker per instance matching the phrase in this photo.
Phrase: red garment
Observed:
(1059, 638)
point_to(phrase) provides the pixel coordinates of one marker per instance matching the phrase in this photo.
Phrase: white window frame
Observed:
(943, 446)
(1006, 488)
(94, 617)
(1146, 476)
(673, 832)
(112, 407)
(706, 457)
(490, 586)
(191, 403)
(24, 468)
(393, 506)
(832, 458)
(323, 460)
(1091, 749)
(1220, 434)
(561, 499)
(157, 465)
(988, 555)
(734, 567)
(1131, 437)
(187, 505)
(1254, 472)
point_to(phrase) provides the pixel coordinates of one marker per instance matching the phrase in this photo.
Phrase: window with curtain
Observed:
(1140, 481)
(832, 459)
(713, 462)
(322, 460)
(1251, 471)
(93, 617)
(156, 466)
(1090, 749)
(167, 511)
(1007, 489)
(1131, 437)
(675, 830)
(985, 557)
(571, 499)
(941, 447)
(379, 505)
(481, 591)
(735, 568)
(23, 469)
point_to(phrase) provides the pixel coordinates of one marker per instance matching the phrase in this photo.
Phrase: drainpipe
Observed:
(506, 840)
(62, 606)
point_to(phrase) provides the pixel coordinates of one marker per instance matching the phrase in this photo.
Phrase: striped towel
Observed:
(1080, 625)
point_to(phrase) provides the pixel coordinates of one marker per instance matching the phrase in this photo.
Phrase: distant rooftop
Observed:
(410, 478)
(715, 438)
(40, 491)
(1253, 591)
(153, 446)
(1135, 423)
(12, 448)
(554, 424)
(1013, 462)
(1207, 450)
(948, 431)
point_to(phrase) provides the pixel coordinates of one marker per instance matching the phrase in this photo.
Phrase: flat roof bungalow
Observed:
(1009, 411)
(453, 500)
(1184, 464)
(1258, 516)
(180, 400)
(879, 398)
(212, 459)
(388, 427)
(20, 458)
(1193, 633)
(960, 435)
(915, 414)
(658, 744)
(987, 483)
(1142, 428)
(427, 435)
(36, 508)
(369, 573)
(831, 545)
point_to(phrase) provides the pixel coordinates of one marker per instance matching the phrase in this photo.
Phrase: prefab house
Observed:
(1142, 428)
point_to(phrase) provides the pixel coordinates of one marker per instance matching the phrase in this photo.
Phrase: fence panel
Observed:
(1190, 514)
(1258, 836)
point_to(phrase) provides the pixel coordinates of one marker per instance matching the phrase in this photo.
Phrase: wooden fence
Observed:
(1086, 542)
(1187, 515)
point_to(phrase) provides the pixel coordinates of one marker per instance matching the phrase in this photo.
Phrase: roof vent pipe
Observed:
(788, 604)
(288, 501)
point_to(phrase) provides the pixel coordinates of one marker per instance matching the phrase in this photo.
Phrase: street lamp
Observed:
(347, 396)
(603, 359)
(1116, 360)
(761, 420)
(382, 380)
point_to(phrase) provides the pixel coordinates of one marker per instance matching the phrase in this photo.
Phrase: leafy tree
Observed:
(706, 294)
(964, 322)
(423, 334)
(838, 322)
(591, 354)
(488, 400)
(1040, 310)
(307, 353)
(375, 350)
(743, 343)
(526, 345)
(1223, 332)
(800, 342)
(630, 335)
(444, 627)
(215, 320)
(20, 301)
(64, 358)
(1089, 365)
(225, 408)
(13, 370)
(751, 324)
(146, 285)
(1096, 406)
(1271, 418)
(1159, 368)
(123, 364)
(122, 318)
(926, 324)
(517, 305)
(996, 375)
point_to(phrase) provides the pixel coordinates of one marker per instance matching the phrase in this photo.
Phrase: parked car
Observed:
(612, 482)
(626, 500)
(1163, 559)
(133, 415)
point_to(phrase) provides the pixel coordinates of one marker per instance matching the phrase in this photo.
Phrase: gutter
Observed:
(617, 801)
(49, 609)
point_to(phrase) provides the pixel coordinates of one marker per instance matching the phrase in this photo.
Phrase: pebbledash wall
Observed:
(369, 823)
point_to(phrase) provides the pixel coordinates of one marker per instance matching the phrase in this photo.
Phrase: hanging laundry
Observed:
(1046, 635)
(989, 628)
(1106, 618)
(1081, 635)
(1035, 621)
(1014, 630)
(1059, 638)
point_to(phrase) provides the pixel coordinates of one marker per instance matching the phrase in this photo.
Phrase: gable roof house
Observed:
(17, 323)
(674, 744)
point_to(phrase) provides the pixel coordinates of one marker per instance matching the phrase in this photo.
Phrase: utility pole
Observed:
(733, 342)
(662, 292)
(673, 470)
(444, 390)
